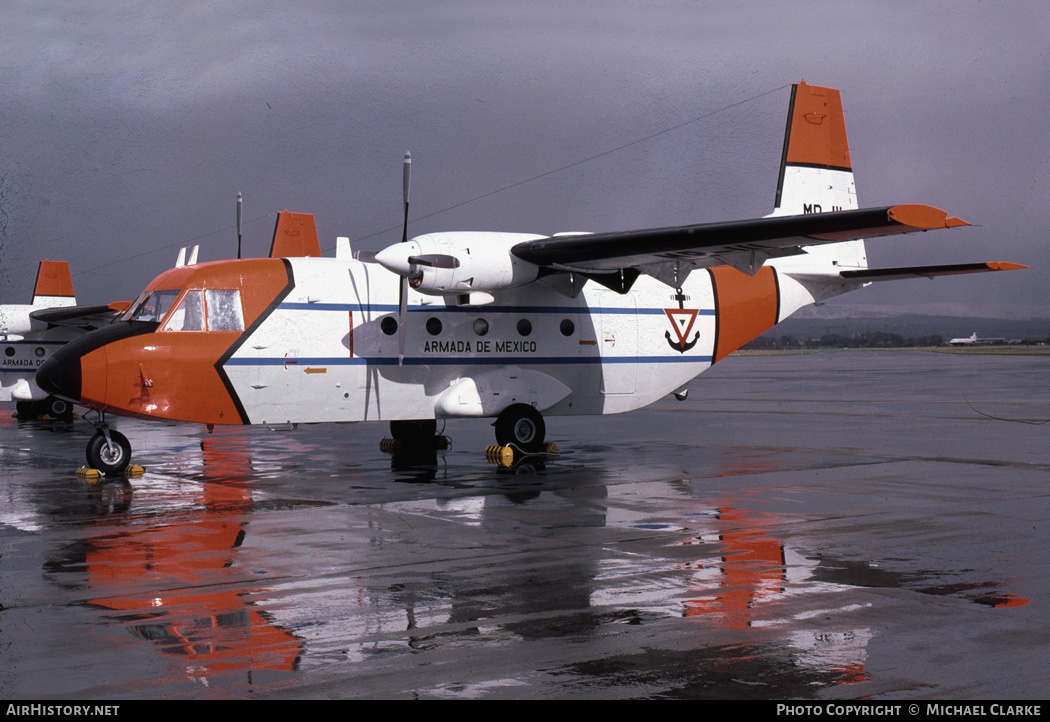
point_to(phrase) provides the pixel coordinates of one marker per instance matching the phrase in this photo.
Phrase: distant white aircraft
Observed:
(510, 326)
(968, 340)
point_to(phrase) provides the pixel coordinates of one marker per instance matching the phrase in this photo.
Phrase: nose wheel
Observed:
(108, 451)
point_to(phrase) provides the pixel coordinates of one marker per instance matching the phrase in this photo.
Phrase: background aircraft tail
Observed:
(816, 174)
(54, 285)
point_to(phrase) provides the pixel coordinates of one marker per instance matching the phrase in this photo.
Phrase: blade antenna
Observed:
(402, 302)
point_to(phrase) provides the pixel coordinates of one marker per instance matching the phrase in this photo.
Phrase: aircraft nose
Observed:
(60, 375)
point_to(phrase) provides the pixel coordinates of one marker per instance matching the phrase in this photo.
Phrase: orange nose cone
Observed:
(93, 376)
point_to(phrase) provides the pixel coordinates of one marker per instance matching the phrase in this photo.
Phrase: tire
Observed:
(109, 458)
(414, 432)
(521, 426)
(27, 409)
(58, 408)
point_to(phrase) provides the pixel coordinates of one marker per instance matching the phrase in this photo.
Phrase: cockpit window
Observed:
(209, 310)
(224, 310)
(189, 316)
(153, 307)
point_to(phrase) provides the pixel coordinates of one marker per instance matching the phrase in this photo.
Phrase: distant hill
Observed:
(808, 325)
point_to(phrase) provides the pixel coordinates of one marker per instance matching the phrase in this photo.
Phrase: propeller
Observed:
(402, 301)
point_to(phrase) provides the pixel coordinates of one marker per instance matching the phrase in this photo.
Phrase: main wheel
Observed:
(111, 456)
(522, 426)
(415, 432)
(27, 409)
(58, 408)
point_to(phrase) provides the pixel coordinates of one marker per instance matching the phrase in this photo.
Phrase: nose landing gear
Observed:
(108, 451)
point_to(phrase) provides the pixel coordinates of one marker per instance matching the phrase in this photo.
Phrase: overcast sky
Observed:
(129, 128)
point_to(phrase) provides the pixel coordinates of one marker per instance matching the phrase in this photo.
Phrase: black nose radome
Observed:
(60, 374)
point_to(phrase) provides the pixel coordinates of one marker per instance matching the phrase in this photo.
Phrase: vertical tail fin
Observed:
(816, 173)
(54, 285)
(295, 236)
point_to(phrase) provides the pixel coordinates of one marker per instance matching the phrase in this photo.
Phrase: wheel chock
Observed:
(501, 455)
(91, 474)
(551, 449)
(391, 446)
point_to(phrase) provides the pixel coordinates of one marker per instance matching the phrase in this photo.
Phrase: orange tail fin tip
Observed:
(53, 279)
(295, 236)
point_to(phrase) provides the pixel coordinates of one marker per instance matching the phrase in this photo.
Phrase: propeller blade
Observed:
(435, 260)
(402, 302)
(402, 313)
(406, 182)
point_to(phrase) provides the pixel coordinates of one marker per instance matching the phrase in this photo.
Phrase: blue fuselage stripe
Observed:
(380, 308)
(468, 361)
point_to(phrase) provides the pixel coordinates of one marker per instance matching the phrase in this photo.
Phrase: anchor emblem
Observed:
(682, 320)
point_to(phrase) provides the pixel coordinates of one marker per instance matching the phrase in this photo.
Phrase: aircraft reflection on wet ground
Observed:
(757, 541)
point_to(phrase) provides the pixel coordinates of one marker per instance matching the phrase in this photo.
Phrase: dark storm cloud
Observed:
(129, 131)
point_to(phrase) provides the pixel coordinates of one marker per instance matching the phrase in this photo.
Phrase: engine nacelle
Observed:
(483, 262)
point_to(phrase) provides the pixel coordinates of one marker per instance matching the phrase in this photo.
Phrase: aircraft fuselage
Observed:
(316, 341)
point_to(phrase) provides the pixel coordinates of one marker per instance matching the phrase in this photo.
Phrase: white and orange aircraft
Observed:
(510, 326)
(26, 341)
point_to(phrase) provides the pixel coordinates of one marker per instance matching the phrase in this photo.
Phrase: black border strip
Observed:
(236, 345)
(718, 315)
(787, 140)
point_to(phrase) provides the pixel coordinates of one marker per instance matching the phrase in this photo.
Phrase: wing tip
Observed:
(1005, 266)
(919, 215)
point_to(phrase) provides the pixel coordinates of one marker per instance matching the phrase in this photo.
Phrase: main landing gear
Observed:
(521, 426)
(108, 451)
(53, 406)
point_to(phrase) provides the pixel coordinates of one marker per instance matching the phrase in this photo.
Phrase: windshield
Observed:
(153, 307)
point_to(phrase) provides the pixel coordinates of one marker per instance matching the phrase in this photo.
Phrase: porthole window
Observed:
(567, 327)
(524, 327)
(9, 351)
(433, 326)
(388, 325)
(39, 351)
(481, 326)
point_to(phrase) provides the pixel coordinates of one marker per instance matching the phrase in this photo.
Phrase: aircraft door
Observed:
(618, 343)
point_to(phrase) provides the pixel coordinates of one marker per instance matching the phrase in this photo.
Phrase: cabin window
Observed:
(388, 325)
(189, 316)
(433, 326)
(481, 326)
(567, 327)
(224, 310)
(524, 327)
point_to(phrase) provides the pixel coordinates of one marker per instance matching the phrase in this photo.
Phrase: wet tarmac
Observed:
(842, 525)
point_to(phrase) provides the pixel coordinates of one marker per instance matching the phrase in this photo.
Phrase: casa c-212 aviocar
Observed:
(510, 326)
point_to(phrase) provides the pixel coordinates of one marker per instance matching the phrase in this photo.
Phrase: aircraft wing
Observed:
(712, 244)
(84, 318)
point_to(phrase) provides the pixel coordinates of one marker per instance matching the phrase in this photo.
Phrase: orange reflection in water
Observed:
(179, 581)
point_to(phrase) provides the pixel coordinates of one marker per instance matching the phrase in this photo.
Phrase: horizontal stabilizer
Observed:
(895, 274)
